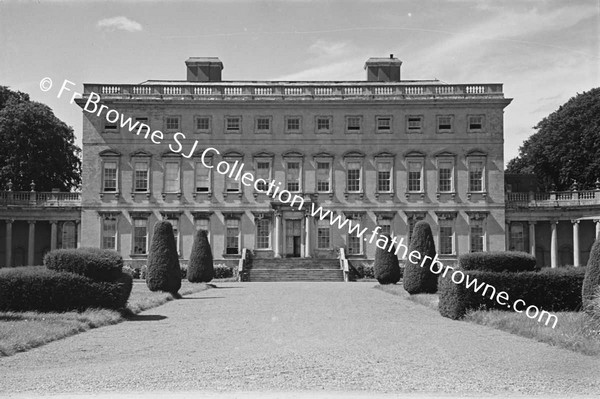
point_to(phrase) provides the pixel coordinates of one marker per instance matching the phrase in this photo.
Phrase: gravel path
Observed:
(278, 337)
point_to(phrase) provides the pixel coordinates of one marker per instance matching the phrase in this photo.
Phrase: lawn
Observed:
(575, 331)
(20, 331)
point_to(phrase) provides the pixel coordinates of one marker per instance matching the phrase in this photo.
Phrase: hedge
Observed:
(591, 283)
(500, 261)
(223, 271)
(164, 272)
(200, 267)
(418, 277)
(386, 268)
(97, 264)
(550, 289)
(36, 288)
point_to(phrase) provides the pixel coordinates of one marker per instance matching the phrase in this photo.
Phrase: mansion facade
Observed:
(383, 153)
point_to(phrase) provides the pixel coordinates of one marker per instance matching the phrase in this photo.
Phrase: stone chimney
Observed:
(204, 69)
(383, 69)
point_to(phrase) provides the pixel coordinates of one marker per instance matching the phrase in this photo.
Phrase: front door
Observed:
(293, 234)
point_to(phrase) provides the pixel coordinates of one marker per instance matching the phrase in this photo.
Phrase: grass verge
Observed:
(21, 331)
(575, 331)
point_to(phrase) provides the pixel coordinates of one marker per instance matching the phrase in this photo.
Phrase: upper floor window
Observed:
(475, 123)
(415, 175)
(172, 177)
(354, 176)
(233, 124)
(293, 124)
(292, 176)
(263, 172)
(476, 175)
(445, 175)
(384, 124)
(414, 123)
(323, 176)
(323, 124)
(203, 124)
(353, 124)
(445, 123)
(110, 127)
(109, 176)
(172, 123)
(141, 176)
(384, 176)
(263, 124)
(203, 178)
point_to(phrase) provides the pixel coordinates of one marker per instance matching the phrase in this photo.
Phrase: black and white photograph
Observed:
(299, 199)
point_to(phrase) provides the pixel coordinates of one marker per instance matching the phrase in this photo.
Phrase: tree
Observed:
(386, 267)
(164, 272)
(200, 266)
(36, 146)
(418, 278)
(591, 282)
(566, 146)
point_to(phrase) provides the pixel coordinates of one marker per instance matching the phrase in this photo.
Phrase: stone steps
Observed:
(295, 275)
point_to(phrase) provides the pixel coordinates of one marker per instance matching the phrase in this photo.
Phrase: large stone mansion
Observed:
(382, 152)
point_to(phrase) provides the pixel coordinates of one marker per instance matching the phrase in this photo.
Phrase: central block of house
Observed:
(382, 152)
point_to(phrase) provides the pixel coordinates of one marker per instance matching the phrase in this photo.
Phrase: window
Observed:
(384, 176)
(232, 244)
(323, 234)
(477, 236)
(414, 123)
(445, 175)
(446, 244)
(109, 176)
(263, 171)
(140, 183)
(203, 224)
(444, 123)
(233, 124)
(412, 220)
(172, 177)
(353, 124)
(175, 224)
(353, 176)
(109, 233)
(203, 177)
(292, 124)
(476, 176)
(142, 119)
(69, 235)
(140, 236)
(292, 176)
(475, 123)
(384, 124)
(110, 127)
(263, 124)
(517, 237)
(415, 174)
(172, 123)
(386, 226)
(323, 124)
(263, 234)
(203, 124)
(323, 177)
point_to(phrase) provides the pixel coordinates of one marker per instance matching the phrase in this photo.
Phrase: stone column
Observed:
(597, 221)
(507, 235)
(575, 242)
(532, 238)
(78, 233)
(31, 243)
(277, 249)
(307, 237)
(553, 243)
(53, 234)
(9, 223)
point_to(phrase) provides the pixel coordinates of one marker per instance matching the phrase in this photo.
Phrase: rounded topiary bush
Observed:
(200, 267)
(418, 278)
(95, 263)
(498, 261)
(591, 282)
(386, 268)
(164, 272)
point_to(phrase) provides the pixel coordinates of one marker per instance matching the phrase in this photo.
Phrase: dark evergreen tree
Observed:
(386, 268)
(418, 278)
(164, 272)
(591, 282)
(201, 268)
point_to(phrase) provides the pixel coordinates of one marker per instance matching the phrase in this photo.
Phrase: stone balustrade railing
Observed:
(289, 90)
(39, 198)
(554, 199)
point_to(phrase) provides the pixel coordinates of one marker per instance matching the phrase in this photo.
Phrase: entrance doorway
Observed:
(293, 237)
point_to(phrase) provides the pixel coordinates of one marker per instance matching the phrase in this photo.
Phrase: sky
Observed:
(543, 51)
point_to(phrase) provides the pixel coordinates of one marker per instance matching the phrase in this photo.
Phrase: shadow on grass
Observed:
(204, 297)
(146, 317)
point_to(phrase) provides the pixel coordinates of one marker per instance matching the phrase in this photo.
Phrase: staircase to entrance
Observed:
(295, 269)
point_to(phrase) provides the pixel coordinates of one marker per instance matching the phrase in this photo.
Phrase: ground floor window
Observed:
(69, 235)
(232, 244)
(386, 226)
(140, 236)
(323, 234)
(477, 236)
(263, 233)
(446, 244)
(109, 234)
(175, 223)
(517, 237)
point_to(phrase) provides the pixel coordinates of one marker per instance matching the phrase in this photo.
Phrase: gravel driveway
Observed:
(280, 337)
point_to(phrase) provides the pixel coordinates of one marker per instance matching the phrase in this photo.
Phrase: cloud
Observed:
(119, 23)
(324, 48)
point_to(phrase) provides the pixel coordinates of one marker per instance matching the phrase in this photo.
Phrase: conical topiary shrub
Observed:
(417, 277)
(164, 273)
(201, 268)
(386, 267)
(591, 282)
